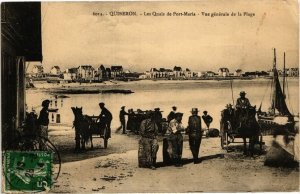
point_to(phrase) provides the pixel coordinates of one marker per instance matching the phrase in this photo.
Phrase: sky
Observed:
(73, 36)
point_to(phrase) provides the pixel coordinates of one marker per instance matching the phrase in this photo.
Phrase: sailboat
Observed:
(278, 117)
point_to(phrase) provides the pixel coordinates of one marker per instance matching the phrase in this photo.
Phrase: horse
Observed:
(82, 125)
(242, 123)
(247, 127)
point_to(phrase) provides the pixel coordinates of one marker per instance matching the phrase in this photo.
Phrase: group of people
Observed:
(151, 127)
(230, 113)
(148, 145)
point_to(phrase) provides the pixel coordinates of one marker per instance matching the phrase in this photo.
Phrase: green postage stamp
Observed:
(28, 171)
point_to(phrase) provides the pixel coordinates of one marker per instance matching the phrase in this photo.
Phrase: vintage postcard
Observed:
(150, 96)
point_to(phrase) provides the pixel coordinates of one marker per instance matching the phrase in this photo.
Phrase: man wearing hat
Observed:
(171, 115)
(43, 120)
(105, 117)
(148, 145)
(243, 102)
(242, 105)
(122, 118)
(227, 118)
(175, 128)
(195, 133)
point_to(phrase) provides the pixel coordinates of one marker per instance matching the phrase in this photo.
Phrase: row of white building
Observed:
(82, 72)
(178, 72)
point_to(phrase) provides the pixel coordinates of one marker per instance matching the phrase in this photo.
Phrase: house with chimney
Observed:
(187, 73)
(238, 73)
(101, 73)
(70, 74)
(223, 72)
(55, 70)
(37, 71)
(153, 73)
(86, 72)
(178, 73)
(116, 71)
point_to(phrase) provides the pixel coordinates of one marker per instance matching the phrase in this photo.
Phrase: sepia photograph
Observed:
(150, 96)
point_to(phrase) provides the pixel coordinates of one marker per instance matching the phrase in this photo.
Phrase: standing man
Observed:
(158, 119)
(175, 128)
(195, 134)
(171, 115)
(105, 117)
(227, 120)
(43, 122)
(122, 118)
(148, 145)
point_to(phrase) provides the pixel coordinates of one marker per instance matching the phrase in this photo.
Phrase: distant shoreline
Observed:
(115, 85)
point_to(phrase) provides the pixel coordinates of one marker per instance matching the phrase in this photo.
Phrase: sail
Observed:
(279, 99)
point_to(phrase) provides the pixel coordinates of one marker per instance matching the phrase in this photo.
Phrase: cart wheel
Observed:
(105, 142)
(260, 142)
(222, 141)
(226, 141)
(42, 144)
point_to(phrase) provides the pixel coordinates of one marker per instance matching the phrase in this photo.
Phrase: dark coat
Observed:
(243, 103)
(194, 124)
(44, 117)
(207, 119)
(122, 115)
(171, 116)
(105, 115)
(148, 129)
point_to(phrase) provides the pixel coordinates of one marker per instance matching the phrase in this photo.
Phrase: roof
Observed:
(238, 70)
(86, 67)
(116, 68)
(210, 72)
(72, 70)
(153, 69)
(223, 69)
(38, 66)
(177, 68)
(56, 67)
(21, 24)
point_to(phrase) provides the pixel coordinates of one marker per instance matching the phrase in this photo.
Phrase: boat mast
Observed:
(274, 82)
(283, 83)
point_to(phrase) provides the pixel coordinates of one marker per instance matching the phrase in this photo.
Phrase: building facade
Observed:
(38, 71)
(293, 72)
(223, 72)
(116, 71)
(70, 74)
(55, 70)
(21, 42)
(178, 73)
(85, 72)
(238, 73)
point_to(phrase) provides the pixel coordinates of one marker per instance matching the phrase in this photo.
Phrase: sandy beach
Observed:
(115, 169)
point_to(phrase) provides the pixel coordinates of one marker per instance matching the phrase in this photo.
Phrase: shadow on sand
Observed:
(188, 161)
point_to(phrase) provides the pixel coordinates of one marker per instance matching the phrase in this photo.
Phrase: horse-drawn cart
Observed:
(240, 124)
(88, 127)
(99, 130)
